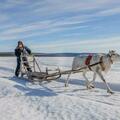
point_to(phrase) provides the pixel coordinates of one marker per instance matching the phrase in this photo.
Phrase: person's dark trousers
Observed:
(17, 71)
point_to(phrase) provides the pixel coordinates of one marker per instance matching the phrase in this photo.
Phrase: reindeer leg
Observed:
(67, 80)
(108, 88)
(94, 77)
(87, 81)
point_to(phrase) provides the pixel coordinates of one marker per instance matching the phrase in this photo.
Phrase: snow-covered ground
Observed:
(20, 100)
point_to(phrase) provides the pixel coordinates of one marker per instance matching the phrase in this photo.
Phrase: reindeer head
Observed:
(115, 57)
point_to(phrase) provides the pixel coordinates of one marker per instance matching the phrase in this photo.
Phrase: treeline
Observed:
(11, 54)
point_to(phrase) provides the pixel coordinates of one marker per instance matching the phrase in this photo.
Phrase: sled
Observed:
(36, 74)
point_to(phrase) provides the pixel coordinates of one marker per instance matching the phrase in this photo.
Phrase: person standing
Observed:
(21, 50)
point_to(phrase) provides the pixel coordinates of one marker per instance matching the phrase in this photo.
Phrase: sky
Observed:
(55, 26)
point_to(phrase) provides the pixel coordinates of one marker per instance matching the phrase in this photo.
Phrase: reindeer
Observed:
(104, 64)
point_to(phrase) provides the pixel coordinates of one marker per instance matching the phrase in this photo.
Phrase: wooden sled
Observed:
(36, 74)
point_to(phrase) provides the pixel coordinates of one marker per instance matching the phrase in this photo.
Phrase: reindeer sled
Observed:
(97, 64)
(36, 74)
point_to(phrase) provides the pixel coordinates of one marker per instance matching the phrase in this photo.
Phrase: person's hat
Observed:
(20, 42)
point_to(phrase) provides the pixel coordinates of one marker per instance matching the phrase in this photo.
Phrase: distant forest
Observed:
(11, 54)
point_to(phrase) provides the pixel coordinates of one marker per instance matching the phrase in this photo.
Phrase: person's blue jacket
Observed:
(19, 51)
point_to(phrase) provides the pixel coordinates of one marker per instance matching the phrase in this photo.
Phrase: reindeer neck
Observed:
(110, 58)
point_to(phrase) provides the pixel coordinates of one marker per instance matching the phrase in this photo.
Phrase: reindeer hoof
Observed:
(88, 87)
(111, 92)
(66, 85)
(92, 86)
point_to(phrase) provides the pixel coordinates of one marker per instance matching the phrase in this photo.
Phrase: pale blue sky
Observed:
(60, 25)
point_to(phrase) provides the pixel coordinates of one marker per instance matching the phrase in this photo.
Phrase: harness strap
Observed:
(102, 64)
(87, 61)
(89, 67)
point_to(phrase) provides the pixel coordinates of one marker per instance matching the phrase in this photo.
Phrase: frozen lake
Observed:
(21, 100)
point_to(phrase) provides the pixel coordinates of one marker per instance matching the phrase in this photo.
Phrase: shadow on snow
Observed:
(41, 91)
(101, 85)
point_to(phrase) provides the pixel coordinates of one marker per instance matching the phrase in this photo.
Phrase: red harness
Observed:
(88, 59)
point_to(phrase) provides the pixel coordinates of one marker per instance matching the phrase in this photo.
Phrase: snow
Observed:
(21, 100)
